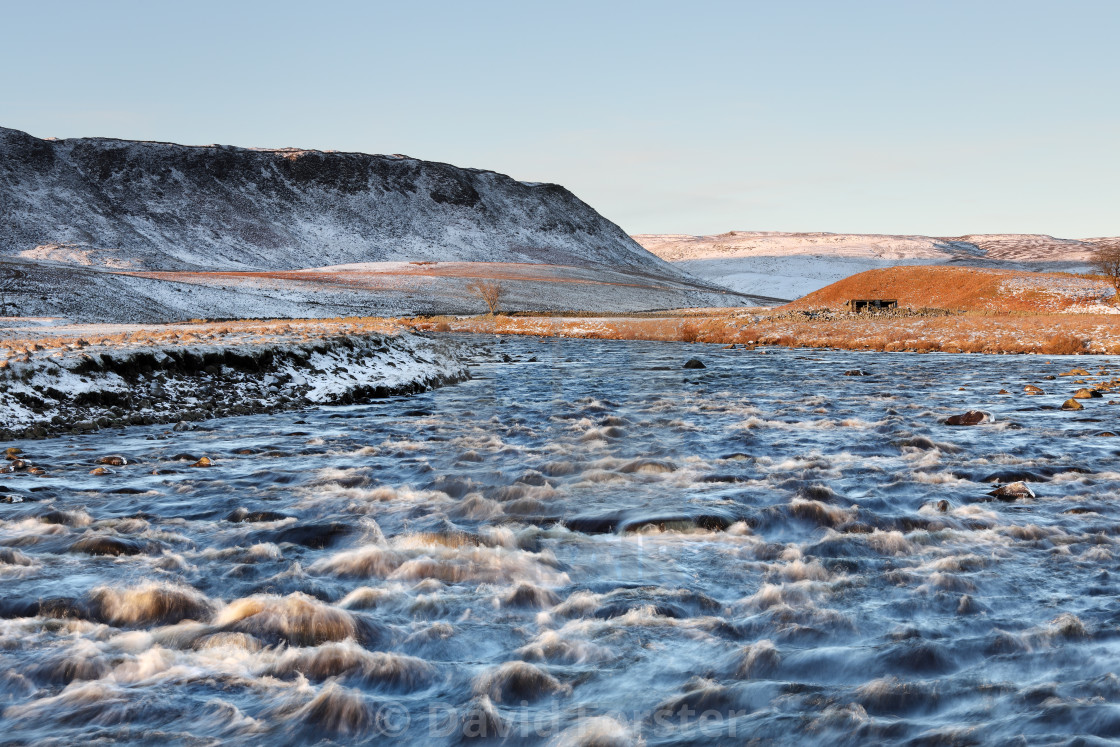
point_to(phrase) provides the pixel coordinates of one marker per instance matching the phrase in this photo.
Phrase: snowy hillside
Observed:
(790, 265)
(95, 229)
(160, 206)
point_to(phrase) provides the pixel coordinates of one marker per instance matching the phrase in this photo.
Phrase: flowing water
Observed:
(585, 545)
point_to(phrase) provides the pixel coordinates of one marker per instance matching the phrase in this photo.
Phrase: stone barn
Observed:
(870, 304)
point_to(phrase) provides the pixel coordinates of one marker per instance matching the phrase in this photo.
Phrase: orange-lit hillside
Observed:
(966, 289)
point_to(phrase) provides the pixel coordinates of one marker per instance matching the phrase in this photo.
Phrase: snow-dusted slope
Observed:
(161, 206)
(790, 265)
(679, 247)
(95, 229)
(1025, 247)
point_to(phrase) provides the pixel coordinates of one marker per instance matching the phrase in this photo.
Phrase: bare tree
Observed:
(489, 291)
(1106, 259)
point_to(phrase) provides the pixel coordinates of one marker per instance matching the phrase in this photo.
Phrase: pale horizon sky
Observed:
(893, 116)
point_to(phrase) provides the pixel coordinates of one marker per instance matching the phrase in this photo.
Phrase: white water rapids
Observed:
(585, 545)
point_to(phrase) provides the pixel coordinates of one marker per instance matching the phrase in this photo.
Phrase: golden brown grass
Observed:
(192, 332)
(963, 289)
(1050, 334)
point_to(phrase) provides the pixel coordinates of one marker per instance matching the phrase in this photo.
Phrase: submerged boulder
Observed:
(105, 545)
(694, 363)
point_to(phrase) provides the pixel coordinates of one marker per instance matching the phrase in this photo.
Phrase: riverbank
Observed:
(81, 378)
(60, 378)
(904, 331)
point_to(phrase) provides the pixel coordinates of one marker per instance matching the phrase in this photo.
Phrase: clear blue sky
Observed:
(897, 116)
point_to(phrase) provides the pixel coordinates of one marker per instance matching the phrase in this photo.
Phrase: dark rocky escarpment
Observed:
(161, 206)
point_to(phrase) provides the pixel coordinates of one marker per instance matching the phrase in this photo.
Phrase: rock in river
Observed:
(1012, 491)
(972, 417)
(104, 545)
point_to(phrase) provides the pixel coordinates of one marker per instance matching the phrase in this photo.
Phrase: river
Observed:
(586, 544)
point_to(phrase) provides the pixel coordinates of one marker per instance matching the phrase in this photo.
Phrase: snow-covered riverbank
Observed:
(62, 385)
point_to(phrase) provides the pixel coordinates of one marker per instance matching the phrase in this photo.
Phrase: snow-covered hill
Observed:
(163, 206)
(78, 216)
(790, 265)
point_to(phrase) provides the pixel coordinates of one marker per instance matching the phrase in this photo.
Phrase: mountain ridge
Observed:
(164, 206)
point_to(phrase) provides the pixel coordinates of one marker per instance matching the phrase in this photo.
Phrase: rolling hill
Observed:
(87, 221)
(790, 265)
(981, 289)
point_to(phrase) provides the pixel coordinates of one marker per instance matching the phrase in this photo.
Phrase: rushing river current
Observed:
(586, 544)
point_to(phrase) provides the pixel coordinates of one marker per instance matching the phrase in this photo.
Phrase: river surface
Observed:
(584, 545)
